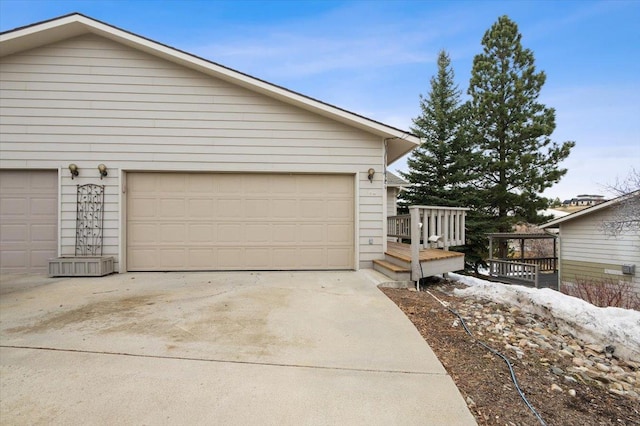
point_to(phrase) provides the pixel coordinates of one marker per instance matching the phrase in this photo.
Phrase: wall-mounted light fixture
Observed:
(370, 173)
(103, 170)
(74, 170)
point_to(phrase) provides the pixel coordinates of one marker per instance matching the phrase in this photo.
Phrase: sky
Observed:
(376, 58)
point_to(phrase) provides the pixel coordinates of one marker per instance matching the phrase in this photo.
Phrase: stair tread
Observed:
(391, 266)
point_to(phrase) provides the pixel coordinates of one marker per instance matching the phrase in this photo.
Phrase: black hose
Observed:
(513, 374)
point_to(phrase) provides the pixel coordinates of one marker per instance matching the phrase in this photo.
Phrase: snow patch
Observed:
(605, 326)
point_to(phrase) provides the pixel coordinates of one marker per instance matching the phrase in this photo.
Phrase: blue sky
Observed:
(376, 57)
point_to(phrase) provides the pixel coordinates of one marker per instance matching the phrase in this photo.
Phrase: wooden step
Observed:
(390, 266)
(395, 272)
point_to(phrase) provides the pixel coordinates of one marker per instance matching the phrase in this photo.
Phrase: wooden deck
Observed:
(403, 252)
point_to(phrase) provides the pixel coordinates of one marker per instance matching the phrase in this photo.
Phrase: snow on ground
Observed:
(604, 326)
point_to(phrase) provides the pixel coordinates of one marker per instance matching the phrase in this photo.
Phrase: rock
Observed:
(616, 391)
(555, 388)
(564, 353)
(570, 379)
(557, 371)
(568, 349)
(470, 402)
(572, 392)
(578, 362)
(616, 385)
(601, 379)
(521, 320)
(595, 348)
(602, 367)
(633, 394)
(576, 347)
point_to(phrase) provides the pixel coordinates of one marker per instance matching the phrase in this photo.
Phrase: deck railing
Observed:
(521, 271)
(544, 263)
(428, 227)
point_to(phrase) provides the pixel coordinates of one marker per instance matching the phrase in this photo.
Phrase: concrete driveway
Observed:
(273, 348)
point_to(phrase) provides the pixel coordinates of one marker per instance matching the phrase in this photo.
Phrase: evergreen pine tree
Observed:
(511, 129)
(436, 167)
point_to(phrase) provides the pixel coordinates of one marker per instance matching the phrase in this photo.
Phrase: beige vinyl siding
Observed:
(89, 100)
(586, 251)
(392, 198)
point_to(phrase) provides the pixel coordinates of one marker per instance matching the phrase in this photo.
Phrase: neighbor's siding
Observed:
(89, 100)
(587, 253)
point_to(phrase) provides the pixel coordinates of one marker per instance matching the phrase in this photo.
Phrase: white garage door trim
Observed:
(234, 221)
(28, 220)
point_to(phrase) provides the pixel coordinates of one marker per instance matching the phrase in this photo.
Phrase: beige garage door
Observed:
(204, 221)
(28, 220)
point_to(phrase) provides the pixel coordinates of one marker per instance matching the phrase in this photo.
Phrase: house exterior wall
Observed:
(392, 201)
(89, 100)
(587, 253)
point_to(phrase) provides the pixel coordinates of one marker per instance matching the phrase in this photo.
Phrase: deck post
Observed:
(415, 243)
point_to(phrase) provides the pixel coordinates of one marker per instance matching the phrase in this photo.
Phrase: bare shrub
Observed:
(604, 292)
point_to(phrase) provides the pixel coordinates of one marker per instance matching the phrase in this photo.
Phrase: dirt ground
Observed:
(485, 381)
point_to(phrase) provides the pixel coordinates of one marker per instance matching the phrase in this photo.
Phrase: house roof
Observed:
(399, 142)
(556, 222)
(394, 181)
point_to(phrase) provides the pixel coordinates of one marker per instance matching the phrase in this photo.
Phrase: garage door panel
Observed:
(200, 183)
(266, 221)
(13, 206)
(142, 233)
(173, 233)
(200, 208)
(285, 233)
(339, 209)
(44, 233)
(338, 256)
(172, 183)
(173, 258)
(230, 257)
(141, 208)
(312, 233)
(202, 258)
(257, 258)
(172, 208)
(229, 233)
(229, 208)
(257, 208)
(340, 233)
(28, 220)
(13, 260)
(258, 233)
(285, 208)
(144, 259)
(14, 233)
(201, 233)
(312, 209)
(43, 206)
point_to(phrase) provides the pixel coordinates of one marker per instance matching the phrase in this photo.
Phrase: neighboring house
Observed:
(395, 184)
(206, 168)
(588, 253)
(584, 200)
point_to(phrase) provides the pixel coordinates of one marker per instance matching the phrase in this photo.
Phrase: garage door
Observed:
(198, 221)
(28, 220)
